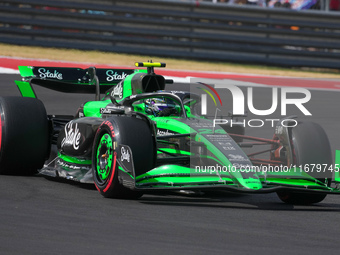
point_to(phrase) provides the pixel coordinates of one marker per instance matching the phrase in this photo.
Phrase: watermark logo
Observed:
(204, 97)
(239, 100)
(281, 99)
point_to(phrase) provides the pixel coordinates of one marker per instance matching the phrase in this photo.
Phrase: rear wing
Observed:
(70, 80)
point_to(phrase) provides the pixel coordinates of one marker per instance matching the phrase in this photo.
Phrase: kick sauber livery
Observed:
(139, 138)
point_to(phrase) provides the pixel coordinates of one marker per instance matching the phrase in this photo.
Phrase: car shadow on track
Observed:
(234, 201)
(88, 186)
(216, 199)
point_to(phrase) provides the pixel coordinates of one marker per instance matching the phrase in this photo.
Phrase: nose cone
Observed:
(250, 181)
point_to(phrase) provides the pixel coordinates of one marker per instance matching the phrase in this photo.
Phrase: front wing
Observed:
(169, 177)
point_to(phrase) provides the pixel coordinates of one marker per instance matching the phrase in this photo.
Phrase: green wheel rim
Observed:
(104, 158)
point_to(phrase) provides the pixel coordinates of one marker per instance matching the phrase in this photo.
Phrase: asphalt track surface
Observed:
(40, 216)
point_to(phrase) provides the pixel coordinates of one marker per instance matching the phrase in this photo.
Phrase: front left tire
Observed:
(121, 130)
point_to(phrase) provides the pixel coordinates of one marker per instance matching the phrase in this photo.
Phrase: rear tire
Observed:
(24, 135)
(310, 145)
(115, 131)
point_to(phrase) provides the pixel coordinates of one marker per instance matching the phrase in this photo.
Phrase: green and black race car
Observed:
(142, 138)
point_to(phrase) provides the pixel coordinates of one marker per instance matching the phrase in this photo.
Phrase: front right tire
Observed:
(310, 145)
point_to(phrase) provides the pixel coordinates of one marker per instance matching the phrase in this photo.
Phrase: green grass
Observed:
(179, 64)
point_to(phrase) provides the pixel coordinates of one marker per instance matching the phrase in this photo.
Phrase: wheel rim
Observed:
(104, 158)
